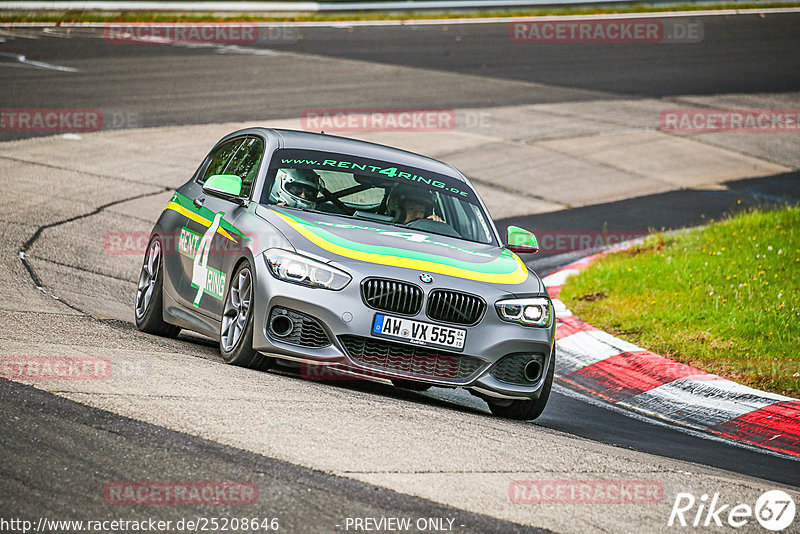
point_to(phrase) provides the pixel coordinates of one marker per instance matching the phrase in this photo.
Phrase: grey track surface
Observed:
(742, 54)
(730, 57)
(115, 446)
(233, 83)
(664, 211)
(168, 85)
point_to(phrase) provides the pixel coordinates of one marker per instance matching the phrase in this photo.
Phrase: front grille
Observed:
(410, 360)
(306, 331)
(511, 369)
(392, 296)
(455, 307)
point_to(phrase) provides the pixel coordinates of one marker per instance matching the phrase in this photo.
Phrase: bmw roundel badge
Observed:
(426, 278)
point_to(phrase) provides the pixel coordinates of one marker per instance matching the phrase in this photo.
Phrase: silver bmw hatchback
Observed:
(316, 252)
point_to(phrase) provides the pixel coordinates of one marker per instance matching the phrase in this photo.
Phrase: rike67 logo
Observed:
(774, 510)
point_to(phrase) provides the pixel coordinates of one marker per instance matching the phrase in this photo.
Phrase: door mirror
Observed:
(521, 241)
(227, 186)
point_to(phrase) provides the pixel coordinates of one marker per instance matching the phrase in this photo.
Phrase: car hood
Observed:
(345, 240)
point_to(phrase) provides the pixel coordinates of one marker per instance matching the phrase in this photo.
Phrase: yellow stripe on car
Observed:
(174, 206)
(517, 276)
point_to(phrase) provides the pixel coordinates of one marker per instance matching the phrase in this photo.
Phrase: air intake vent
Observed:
(410, 360)
(296, 328)
(392, 296)
(523, 369)
(455, 307)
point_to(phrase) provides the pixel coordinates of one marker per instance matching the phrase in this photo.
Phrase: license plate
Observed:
(418, 333)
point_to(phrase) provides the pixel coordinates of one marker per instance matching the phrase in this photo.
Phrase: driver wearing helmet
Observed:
(296, 188)
(407, 203)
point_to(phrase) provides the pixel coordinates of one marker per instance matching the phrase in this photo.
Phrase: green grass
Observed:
(145, 16)
(724, 298)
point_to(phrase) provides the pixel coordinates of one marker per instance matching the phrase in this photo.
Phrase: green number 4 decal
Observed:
(207, 279)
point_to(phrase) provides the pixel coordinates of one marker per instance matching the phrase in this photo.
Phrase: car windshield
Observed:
(377, 191)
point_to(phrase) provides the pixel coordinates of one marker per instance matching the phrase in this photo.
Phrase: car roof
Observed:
(343, 145)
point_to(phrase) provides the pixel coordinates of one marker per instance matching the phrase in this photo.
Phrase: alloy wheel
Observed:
(237, 309)
(148, 277)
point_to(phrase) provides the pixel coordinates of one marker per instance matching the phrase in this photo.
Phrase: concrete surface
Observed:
(543, 149)
(420, 446)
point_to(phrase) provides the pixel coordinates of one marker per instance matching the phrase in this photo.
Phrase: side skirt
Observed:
(178, 315)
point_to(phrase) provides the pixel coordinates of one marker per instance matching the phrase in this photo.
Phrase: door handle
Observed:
(198, 202)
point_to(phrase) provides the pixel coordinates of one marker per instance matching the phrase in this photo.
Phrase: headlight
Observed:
(297, 269)
(529, 312)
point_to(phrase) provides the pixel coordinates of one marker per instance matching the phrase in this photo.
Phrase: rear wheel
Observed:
(527, 410)
(411, 385)
(236, 332)
(149, 294)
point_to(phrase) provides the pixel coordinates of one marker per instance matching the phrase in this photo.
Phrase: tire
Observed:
(150, 293)
(527, 410)
(411, 385)
(236, 327)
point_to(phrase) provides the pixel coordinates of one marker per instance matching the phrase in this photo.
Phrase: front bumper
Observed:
(344, 313)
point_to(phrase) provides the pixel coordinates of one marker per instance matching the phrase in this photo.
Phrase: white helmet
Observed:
(298, 188)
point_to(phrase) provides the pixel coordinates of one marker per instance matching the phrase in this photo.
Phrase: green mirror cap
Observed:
(519, 237)
(225, 183)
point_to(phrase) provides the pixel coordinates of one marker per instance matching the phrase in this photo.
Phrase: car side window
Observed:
(246, 162)
(219, 159)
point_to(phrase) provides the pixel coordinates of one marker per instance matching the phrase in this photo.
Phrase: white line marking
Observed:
(33, 63)
(659, 420)
(220, 48)
(702, 401)
(559, 277)
(559, 307)
(583, 349)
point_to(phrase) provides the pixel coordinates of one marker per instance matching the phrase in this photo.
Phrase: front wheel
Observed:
(527, 410)
(149, 294)
(236, 332)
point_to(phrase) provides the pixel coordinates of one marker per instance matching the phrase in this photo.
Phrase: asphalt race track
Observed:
(304, 499)
(742, 54)
(320, 453)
